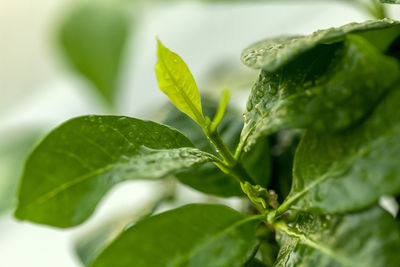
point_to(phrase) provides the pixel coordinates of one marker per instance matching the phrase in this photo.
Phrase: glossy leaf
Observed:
(273, 54)
(77, 163)
(193, 235)
(208, 178)
(368, 238)
(351, 170)
(93, 37)
(177, 82)
(326, 89)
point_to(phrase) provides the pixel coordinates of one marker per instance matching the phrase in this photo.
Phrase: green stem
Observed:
(232, 166)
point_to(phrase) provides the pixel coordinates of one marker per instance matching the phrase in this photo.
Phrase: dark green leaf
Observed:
(93, 38)
(273, 54)
(208, 178)
(193, 235)
(76, 164)
(328, 88)
(368, 238)
(350, 170)
(390, 1)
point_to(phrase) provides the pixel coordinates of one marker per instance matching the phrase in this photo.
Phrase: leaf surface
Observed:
(177, 82)
(326, 89)
(273, 54)
(77, 163)
(367, 238)
(350, 170)
(192, 235)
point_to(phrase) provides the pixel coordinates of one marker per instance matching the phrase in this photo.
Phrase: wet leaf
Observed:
(327, 89)
(273, 54)
(335, 173)
(70, 171)
(367, 238)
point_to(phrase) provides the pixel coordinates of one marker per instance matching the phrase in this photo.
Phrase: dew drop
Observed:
(272, 90)
(249, 106)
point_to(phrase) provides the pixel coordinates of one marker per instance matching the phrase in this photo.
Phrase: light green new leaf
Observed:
(193, 235)
(368, 238)
(208, 178)
(273, 54)
(335, 173)
(325, 89)
(177, 82)
(390, 1)
(93, 37)
(77, 163)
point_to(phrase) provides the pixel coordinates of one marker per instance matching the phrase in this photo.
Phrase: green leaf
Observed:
(208, 178)
(77, 163)
(93, 37)
(273, 54)
(325, 89)
(193, 235)
(390, 1)
(177, 82)
(335, 173)
(368, 238)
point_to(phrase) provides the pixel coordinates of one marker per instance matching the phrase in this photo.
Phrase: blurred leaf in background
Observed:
(93, 37)
(12, 155)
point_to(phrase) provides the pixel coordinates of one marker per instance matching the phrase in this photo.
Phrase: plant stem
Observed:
(233, 166)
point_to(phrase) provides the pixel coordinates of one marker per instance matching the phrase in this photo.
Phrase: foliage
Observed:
(337, 90)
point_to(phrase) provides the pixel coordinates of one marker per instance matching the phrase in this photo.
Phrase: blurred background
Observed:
(65, 58)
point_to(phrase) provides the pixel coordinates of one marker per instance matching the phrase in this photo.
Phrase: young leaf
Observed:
(328, 88)
(93, 38)
(208, 178)
(76, 164)
(177, 82)
(368, 238)
(272, 54)
(193, 235)
(336, 173)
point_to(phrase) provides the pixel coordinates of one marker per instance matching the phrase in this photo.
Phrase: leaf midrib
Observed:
(196, 113)
(317, 246)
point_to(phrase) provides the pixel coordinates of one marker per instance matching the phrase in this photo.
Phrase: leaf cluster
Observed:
(313, 202)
